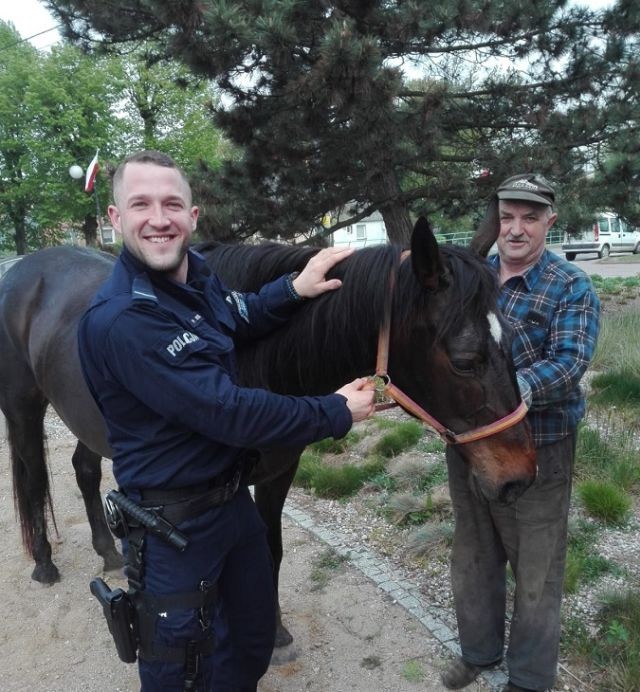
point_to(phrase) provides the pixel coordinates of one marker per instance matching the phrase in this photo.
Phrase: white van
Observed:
(609, 233)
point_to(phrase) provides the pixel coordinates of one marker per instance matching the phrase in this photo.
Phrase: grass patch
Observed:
(618, 343)
(616, 388)
(331, 446)
(406, 508)
(613, 458)
(412, 671)
(430, 537)
(616, 648)
(400, 438)
(605, 501)
(328, 562)
(583, 565)
(583, 568)
(334, 482)
(431, 445)
(436, 476)
(593, 453)
(307, 469)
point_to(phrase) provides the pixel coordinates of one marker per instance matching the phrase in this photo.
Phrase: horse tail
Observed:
(31, 488)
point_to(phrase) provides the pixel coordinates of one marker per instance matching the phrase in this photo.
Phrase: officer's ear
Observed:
(194, 213)
(114, 216)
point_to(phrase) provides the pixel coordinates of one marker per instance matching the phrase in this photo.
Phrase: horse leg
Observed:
(25, 429)
(270, 497)
(88, 476)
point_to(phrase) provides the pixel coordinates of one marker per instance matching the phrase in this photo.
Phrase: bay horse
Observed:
(448, 350)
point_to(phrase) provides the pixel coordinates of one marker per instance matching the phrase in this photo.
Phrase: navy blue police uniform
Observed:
(158, 357)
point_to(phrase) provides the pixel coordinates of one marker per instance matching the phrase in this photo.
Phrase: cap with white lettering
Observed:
(527, 187)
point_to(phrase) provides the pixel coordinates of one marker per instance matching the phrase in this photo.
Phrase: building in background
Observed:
(364, 233)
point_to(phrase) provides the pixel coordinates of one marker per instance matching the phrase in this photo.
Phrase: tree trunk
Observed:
(20, 236)
(90, 230)
(386, 191)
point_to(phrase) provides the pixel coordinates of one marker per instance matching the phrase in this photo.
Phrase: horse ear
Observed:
(425, 255)
(487, 232)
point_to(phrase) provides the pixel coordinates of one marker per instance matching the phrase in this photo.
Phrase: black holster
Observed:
(119, 613)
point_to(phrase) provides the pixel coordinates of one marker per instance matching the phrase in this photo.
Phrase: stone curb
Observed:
(401, 590)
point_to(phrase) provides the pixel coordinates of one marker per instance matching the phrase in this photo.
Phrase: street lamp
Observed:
(76, 171)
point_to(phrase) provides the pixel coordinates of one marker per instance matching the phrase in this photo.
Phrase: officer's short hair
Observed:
(157, 158)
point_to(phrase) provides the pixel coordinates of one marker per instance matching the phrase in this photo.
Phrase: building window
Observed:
(361, 231)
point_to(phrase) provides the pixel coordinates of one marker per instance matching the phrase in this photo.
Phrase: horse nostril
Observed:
(511, 491)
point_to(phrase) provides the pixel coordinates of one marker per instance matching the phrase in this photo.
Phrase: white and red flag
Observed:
(92, 171)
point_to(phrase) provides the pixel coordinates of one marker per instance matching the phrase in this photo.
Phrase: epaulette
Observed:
(142, 289)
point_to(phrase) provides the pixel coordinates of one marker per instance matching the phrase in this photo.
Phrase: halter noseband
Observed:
(384, 387)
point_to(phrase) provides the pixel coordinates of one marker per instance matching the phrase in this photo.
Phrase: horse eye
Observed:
(464, 366)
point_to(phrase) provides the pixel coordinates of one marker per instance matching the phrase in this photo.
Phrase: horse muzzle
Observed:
(504, 466)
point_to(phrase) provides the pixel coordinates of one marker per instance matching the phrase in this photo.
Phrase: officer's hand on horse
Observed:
(311, 281)
(360, 396)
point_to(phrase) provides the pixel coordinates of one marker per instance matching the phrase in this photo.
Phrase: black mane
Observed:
(341, 327)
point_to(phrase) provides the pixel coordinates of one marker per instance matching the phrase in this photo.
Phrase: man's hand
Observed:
(360, 396)
(311, 281)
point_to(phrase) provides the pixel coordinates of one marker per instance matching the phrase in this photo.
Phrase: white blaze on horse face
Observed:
(494, 327)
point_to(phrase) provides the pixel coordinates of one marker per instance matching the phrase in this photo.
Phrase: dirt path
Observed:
(349, 635)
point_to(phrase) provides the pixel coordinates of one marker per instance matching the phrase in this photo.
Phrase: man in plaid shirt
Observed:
(554, 312)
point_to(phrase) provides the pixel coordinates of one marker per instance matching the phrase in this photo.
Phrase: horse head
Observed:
(453, 357)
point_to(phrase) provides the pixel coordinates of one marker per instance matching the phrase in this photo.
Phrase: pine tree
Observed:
(316, 94)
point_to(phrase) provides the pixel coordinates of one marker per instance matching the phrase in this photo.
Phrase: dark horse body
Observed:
(444, 353)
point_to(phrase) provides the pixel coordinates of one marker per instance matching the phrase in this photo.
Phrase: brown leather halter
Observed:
(385, 388)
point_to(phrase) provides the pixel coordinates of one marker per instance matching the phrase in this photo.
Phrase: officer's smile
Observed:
(160, 238)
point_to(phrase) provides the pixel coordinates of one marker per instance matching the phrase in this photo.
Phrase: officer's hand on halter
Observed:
(360, 395)
(311, 281)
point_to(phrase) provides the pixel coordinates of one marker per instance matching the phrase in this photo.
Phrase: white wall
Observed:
(368, 231)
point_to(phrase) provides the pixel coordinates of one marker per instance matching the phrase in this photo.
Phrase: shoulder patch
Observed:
(180, 341)
(237, 300)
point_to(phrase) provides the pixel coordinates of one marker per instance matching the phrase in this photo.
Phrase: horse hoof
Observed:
(283, 637)
(283, 655)
(46, 574)
(113, 562)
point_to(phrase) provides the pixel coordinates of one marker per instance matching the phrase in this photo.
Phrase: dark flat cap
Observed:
(528, 187)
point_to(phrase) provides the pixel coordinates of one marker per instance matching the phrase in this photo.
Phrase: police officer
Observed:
(157, 350)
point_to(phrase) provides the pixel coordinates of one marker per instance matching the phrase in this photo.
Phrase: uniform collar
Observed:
(197, 269)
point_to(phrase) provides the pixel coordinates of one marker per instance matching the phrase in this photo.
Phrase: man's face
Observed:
(153, 212)
(523, 230)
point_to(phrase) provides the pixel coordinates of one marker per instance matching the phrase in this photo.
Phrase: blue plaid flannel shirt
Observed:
(555, 313)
